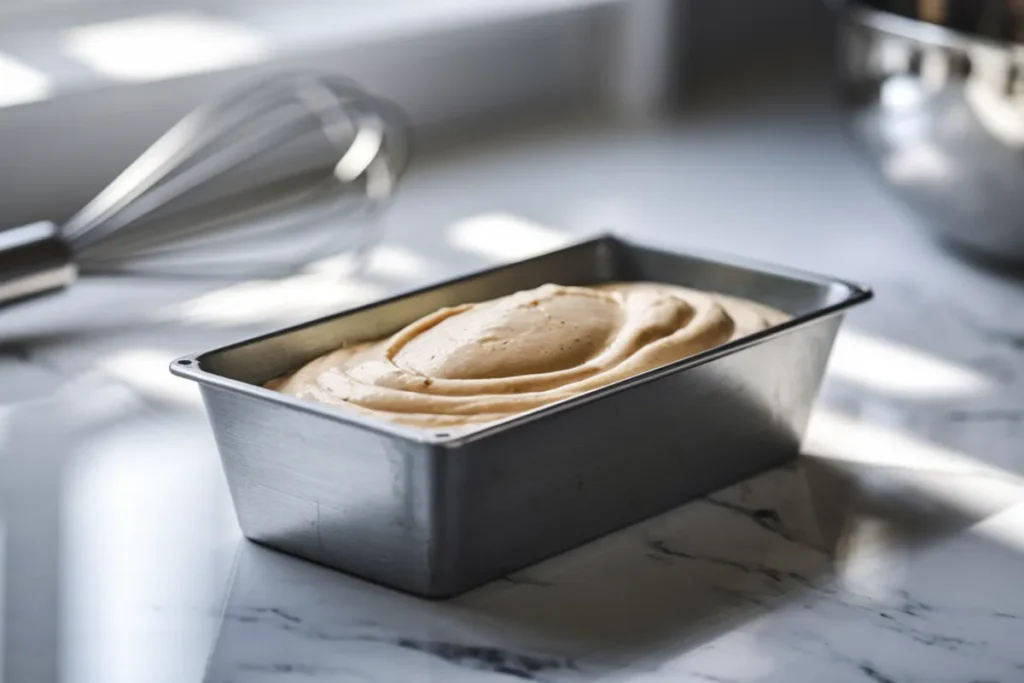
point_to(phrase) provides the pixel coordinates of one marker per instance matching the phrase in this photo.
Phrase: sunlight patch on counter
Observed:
(288, 300)
(959, 481)
(503, 237)
(391, 261)
(897, 370)
(150, 535)
(1005, 527)
(145, 371)
(873, 552)
(838, 437)
(164, 45)
(325, 286)
(399, 263)
(20, 83)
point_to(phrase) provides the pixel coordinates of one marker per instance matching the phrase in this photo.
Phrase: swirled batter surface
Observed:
(482, 362)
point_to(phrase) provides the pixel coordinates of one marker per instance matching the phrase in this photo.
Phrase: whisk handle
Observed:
(34, 259)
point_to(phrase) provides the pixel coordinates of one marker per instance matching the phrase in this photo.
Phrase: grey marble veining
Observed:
(737, 587)
(890, 552)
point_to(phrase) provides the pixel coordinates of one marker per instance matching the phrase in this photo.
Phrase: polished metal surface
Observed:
(940, 113)
(436, 514)
(34, 259)
(999, 20)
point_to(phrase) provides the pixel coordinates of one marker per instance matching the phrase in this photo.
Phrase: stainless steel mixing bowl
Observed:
(935, 90)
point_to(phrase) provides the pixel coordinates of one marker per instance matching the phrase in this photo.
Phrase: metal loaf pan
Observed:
(435, 513)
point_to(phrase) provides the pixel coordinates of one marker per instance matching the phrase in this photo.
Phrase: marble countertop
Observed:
(891, 551)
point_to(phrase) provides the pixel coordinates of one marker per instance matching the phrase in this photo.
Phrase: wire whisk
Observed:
(258, 181)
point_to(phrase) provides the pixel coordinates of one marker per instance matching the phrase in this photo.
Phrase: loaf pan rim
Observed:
(190, 366)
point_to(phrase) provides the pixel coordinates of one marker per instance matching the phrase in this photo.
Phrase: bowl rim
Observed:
(923, 31)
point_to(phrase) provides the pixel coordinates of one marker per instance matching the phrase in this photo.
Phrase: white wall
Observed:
(525, 55)
(56, 154)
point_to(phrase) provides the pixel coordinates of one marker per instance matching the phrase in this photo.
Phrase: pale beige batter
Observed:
(482, 362)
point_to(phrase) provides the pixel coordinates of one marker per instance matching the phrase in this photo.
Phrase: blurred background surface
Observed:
(703, 124)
